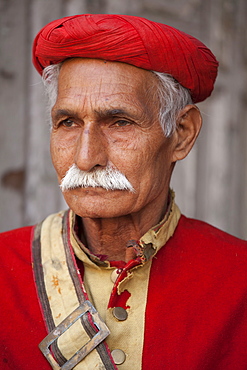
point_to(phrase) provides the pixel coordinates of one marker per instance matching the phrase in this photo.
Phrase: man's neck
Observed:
(108, 238)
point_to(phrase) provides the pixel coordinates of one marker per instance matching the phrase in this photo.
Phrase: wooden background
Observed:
(210, 184)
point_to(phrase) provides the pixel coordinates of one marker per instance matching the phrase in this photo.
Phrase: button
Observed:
(114, 275)
(118, 356)
(120, 313)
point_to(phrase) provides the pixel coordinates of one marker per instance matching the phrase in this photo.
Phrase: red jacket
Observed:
(196, 314)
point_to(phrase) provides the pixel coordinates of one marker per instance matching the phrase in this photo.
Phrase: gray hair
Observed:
(173, 97)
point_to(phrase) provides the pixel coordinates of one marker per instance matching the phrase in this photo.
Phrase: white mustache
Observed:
(108, 178)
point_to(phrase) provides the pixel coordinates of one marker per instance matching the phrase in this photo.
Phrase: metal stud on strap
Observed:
(65, 325)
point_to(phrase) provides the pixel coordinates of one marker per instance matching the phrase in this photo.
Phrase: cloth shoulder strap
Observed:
(61, 291)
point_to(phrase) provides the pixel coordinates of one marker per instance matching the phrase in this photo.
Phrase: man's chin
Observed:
(99, 202)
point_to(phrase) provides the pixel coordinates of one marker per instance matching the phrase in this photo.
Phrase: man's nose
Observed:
(91, 148)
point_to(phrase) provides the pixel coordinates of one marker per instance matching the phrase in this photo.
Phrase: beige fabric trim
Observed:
(162, 232)
(61, 292)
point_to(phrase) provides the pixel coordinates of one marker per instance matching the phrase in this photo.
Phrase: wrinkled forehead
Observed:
(92, 69)
(94, 79)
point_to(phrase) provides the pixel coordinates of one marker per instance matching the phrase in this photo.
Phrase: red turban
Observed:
(133, 40)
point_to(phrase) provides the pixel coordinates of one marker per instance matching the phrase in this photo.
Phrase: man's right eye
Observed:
(67, 123)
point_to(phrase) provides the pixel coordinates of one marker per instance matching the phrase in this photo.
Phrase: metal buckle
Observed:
(65, 325)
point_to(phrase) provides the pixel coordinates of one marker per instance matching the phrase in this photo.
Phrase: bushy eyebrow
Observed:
(59, 113)
(100, 114)
(107, 113)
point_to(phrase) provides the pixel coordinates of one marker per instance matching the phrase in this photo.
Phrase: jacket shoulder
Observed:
(204, 233)
(16, 244)
(17, 235)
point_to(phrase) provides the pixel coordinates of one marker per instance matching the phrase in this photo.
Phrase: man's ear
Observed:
(189, 123)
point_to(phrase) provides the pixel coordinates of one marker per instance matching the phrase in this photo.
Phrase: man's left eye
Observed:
(122, 123)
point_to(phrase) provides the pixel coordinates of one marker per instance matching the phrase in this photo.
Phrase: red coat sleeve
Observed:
(22, 326)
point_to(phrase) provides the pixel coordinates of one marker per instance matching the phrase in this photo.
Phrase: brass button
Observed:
(120, 313)
(118, 356)
(114, 275)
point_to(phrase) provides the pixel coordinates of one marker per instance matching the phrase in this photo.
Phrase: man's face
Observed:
(106, 114)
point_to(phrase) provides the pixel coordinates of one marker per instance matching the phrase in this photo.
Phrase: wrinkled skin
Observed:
(107, 113)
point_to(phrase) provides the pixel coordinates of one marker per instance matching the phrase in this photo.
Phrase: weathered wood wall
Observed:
(210, 184)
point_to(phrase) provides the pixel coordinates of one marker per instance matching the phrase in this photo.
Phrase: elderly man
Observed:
(122, 279)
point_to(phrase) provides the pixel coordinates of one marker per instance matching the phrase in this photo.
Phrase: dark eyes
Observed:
(68, 123)
(122, 123)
